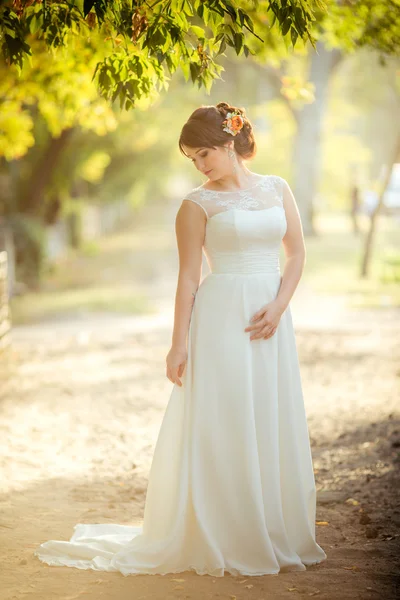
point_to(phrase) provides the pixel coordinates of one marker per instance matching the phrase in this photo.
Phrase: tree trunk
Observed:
(307, 144)
(31, 201)
(366, 259)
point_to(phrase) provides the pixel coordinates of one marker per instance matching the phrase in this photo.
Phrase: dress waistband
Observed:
(245, 263)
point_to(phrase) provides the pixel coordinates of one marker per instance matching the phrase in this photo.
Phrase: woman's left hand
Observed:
(265, 321)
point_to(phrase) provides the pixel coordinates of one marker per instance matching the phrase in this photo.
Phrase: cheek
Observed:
(217, 161)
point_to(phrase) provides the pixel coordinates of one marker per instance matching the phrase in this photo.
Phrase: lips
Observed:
(208, 172)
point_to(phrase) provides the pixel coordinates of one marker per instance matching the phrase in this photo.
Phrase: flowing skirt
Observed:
(231, 485)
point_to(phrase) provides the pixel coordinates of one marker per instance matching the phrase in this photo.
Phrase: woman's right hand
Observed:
(176, 362)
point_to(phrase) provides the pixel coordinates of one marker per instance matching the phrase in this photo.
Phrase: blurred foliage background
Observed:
(91, 113)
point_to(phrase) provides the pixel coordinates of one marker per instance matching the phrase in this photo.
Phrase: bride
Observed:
(231, 486)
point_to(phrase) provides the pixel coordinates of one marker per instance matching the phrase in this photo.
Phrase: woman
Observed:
(231, 485)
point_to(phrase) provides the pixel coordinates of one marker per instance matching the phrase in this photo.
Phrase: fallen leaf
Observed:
(292, 589)
(321, 522)
(314, 593)
(232, 597)
(351, 568)
(249, 586)
(352, 501)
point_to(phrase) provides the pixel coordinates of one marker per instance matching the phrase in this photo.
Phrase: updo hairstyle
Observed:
(204, 129)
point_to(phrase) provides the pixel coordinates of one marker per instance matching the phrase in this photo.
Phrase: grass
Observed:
(49, 305)
(113, 274)
(334, 262)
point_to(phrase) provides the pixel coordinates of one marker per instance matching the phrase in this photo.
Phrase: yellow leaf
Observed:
(352, 501)
(351, 568)
(292, 589)
(321, 522)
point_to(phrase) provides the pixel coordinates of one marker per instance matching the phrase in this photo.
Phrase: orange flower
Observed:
(233, 124)
(237, 123)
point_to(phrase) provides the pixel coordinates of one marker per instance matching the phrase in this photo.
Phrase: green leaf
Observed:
(286, 26)
(231, 10)
(206, 15)
(222, 47)
(238, 39)
(198, 31)
(249, 22)
(194, 71)
(185, 70)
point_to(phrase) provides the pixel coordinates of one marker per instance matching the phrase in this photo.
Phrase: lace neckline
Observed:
(260, 180)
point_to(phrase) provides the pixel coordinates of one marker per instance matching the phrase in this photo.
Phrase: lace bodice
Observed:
(264, 193)
(244, 228)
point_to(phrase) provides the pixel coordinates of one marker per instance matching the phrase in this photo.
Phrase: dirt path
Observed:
(82, 403)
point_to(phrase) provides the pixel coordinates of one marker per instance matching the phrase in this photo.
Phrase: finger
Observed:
(256, 333)
(170, 375)
(259, 326)
(270, 334)
(253, 323)
(175, 377)
(253, 327)
(264, 331)
(259, 314)
(177, 380)
(181, 369)
(260, 331)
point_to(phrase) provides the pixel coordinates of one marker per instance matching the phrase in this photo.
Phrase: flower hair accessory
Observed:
(233, 123)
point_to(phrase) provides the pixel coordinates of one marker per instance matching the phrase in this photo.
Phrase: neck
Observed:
(241, 179)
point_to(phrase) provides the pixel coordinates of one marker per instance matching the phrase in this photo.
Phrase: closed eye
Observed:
(202, 156)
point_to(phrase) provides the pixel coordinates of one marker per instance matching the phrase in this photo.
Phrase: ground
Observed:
(83, 396)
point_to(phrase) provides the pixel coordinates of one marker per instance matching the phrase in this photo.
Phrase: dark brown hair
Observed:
(204, 129)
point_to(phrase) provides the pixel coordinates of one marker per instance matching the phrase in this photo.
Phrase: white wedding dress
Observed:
(231, 486)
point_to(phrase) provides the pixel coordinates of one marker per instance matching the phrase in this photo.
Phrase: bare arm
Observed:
(190, 230)
(294, 247)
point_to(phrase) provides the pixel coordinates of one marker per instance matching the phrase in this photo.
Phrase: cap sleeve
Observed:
(193, 197)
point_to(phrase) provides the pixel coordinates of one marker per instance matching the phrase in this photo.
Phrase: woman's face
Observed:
(212, 162)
